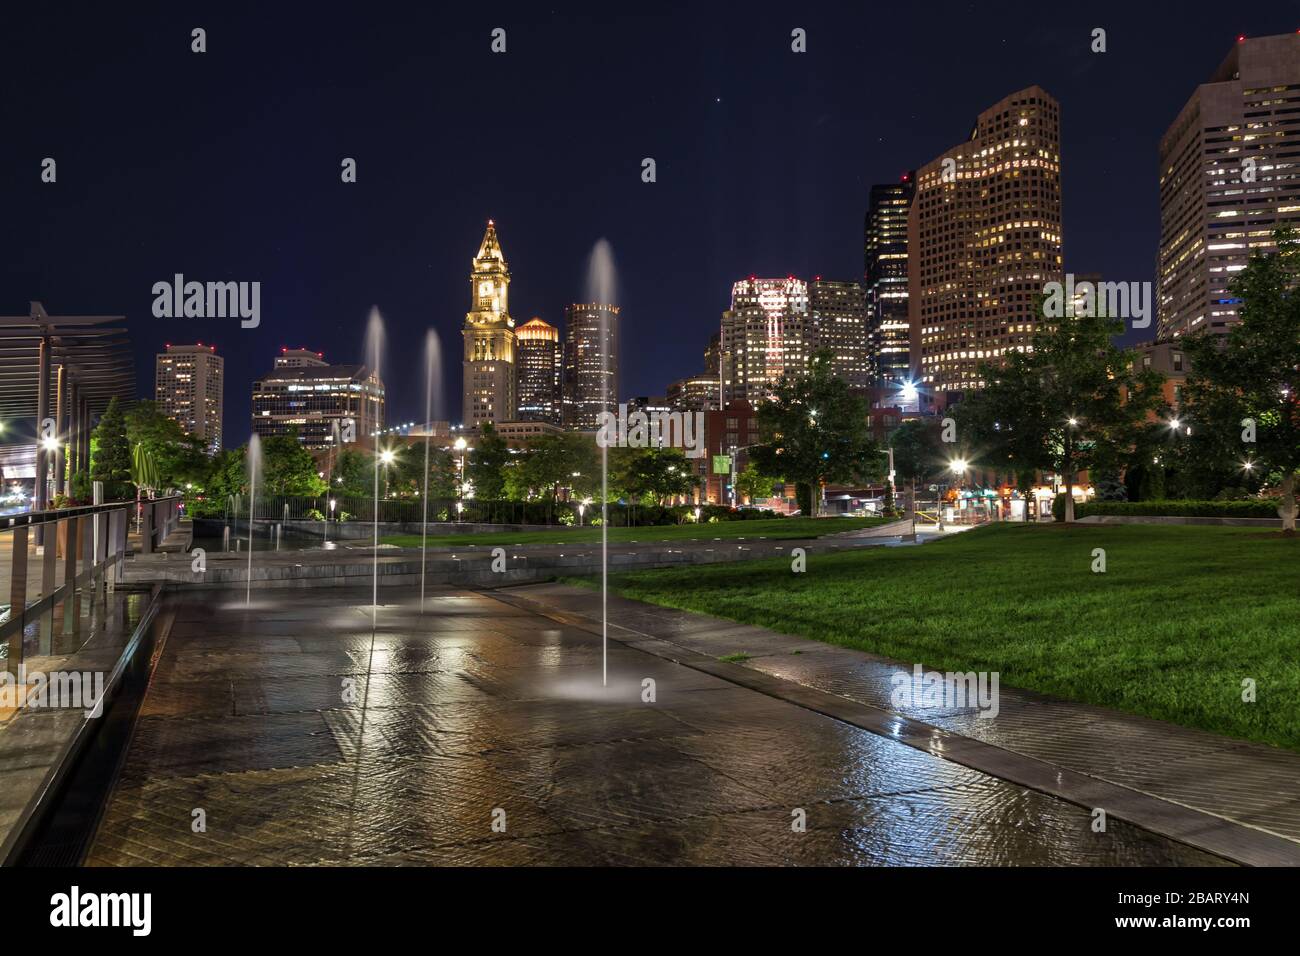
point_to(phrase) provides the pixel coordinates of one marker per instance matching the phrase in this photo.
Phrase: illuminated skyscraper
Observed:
(1229, 176)
(308, 398)
(838, 319)
(489, 366)
(885, 246)
(188, 387)
(538, 361)
(764, 335)
(984, 236)
(590, 363)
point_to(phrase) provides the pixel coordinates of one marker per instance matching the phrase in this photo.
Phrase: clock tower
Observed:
(489, 389)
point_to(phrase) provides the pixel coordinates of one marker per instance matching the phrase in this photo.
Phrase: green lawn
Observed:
(766, 528)
(1180, 617)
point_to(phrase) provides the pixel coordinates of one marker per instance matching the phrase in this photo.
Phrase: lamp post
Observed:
(460, 445)
(958, 468)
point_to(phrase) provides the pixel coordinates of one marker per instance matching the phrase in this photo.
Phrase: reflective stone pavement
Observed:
(296, 739)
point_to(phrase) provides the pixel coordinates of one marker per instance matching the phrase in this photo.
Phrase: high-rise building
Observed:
(489, 366)
(310, 399)
(838, 321)
(984, 236)
(1229, 176)
(189, 388)
(538, 360)
(885, 247)
(764, 336)
(590, 363)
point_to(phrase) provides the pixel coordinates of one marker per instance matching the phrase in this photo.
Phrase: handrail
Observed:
(88, 544)
(32, 518)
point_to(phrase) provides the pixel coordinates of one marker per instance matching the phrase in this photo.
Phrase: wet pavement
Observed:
(480, 733)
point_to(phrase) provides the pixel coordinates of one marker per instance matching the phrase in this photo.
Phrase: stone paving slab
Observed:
(1251, 787)
(515, 718)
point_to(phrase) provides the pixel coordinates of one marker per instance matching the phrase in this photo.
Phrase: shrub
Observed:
(1249, 508)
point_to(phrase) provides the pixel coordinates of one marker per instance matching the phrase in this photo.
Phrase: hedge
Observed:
(1250, 508)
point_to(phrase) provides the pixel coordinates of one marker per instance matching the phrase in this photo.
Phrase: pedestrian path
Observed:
(474, 732)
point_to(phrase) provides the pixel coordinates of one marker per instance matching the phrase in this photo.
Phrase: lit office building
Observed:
(590, 363)
(885, 246)
(984, 237)
(310, 399)
(764, 335)
(838, 320)
(538, 360)
(1229, 176)
(698, 393)
(188, 387)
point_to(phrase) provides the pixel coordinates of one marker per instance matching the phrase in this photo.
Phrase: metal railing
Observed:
(80, 551)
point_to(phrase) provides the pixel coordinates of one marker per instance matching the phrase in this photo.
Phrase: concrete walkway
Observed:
(480, 732)
(1227, 796)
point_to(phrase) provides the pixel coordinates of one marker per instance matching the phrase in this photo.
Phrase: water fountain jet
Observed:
(254, 456)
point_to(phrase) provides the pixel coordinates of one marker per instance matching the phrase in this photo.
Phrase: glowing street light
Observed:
(50, 443)
(958, 466)
(387, 456)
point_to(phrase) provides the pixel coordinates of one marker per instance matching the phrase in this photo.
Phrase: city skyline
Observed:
(815, 230)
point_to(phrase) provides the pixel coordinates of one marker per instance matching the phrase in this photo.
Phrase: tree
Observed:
(917, 455)
(564, 460)
(487, 463)
(814, 431)
(180, 457)
(1070, 402)
(405, 476)
(753, 484)
(1245, 391)
(353, 474)
(288, 468)
(651, 474)
(112, 461)
(227, 475)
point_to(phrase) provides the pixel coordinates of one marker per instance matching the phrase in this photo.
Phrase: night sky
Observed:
(225, 165)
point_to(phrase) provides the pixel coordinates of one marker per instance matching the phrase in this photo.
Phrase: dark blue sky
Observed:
(225, 165)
